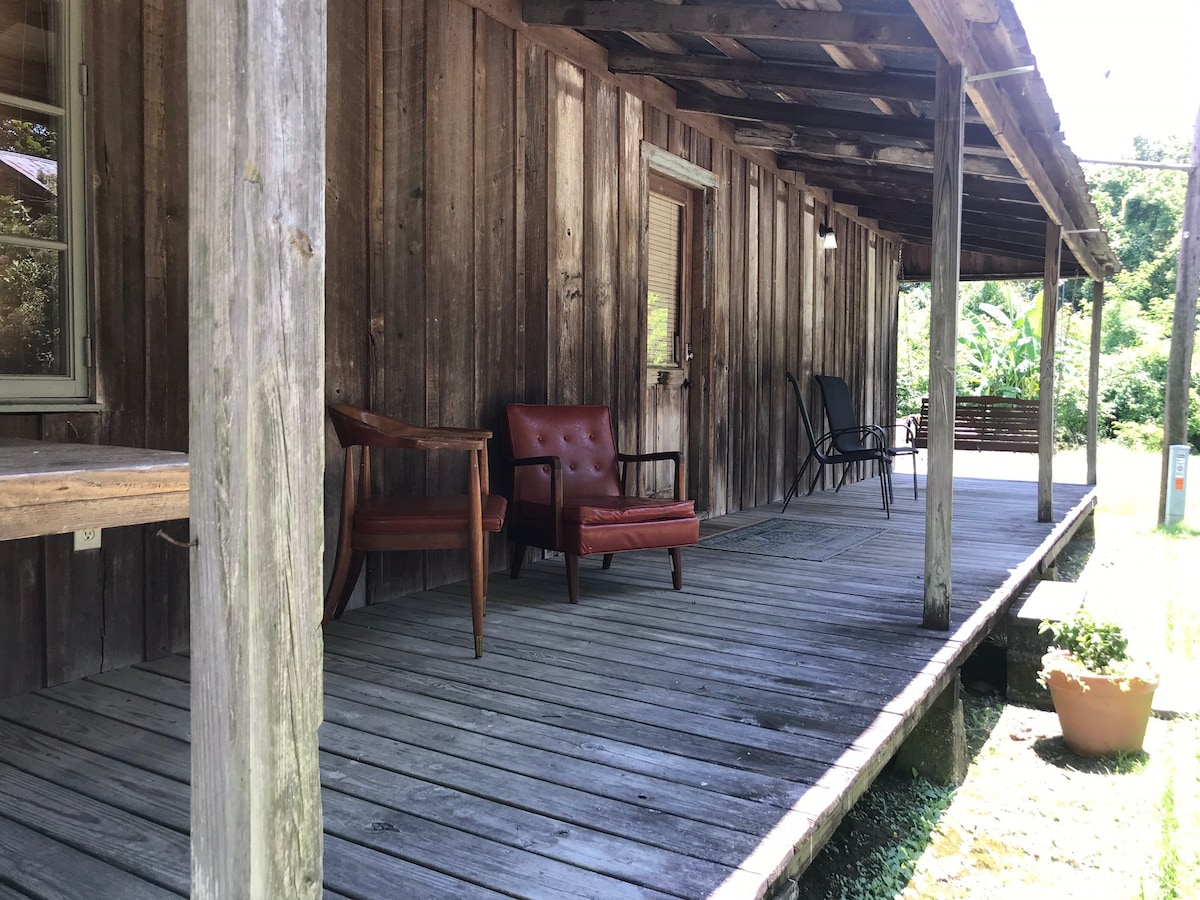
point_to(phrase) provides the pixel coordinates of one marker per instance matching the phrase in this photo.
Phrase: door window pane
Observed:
(663, 270)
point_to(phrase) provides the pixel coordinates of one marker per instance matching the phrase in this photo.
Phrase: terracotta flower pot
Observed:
(1099, 714)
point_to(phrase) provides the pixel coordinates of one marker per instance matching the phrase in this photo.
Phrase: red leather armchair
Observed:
(569, 496)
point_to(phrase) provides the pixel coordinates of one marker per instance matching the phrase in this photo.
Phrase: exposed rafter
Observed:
(831, 120)
(915, 198)
(800, 158)
(776, 74)
(916, 214)
(851, 59)
(872, 147)
(735, 21)
(835, 174)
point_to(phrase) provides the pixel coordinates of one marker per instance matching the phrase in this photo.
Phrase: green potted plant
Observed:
(1102, 696)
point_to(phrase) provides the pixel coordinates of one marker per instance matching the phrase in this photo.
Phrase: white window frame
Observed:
(19, 393)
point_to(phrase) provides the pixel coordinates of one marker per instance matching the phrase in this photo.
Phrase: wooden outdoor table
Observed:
(48, 488)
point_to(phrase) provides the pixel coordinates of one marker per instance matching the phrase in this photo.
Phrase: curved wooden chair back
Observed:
(417, 522)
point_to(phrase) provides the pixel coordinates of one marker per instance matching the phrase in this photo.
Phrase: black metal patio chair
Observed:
(823, 451)
(851, 437)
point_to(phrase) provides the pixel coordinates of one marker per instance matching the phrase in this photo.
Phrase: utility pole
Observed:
(1183, 329)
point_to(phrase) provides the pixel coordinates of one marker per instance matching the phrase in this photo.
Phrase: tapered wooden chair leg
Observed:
(573, 577)
(346, 570)
(677, 568)
(608, 558)
(478, 600)
(518, 557)
(487, 565)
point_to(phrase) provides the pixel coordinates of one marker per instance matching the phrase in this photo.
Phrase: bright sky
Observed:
(1116, 69)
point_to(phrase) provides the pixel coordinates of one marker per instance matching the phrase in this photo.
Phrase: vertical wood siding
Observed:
(485, 207)
(63, 614)
(516, 180)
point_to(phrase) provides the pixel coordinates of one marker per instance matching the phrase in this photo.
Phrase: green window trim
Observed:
(68, 382)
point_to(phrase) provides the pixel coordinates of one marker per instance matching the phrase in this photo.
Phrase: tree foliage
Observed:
(31, 138)
(30, 330)
(999, 327)
(30, 309)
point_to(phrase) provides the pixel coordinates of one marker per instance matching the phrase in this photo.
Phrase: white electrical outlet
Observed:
(87, 539)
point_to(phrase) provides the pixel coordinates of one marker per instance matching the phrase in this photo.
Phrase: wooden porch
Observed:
(644, 743)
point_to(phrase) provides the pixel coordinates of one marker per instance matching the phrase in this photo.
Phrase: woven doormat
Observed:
(793, 538)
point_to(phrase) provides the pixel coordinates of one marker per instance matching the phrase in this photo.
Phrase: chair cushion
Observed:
(414, 515)
(609, 511)
(624, 510)
(589, 539)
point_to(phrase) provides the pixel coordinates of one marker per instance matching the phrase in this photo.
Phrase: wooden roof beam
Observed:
(850, 29)
(736, 50)
(890, 86)
(881, 159)
(850, 58)
(830, 174)
(916, 214)
(924, 199)
(831, 120)
(669, 48)
(992, 248)
(872, 147)
(985, 238)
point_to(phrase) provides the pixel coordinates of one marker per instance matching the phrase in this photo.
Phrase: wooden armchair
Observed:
(569, 492)
(371, 522)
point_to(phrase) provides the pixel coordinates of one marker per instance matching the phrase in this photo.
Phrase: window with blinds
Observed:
(664, 268)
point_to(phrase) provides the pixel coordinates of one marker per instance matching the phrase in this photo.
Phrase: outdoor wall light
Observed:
(828, 238)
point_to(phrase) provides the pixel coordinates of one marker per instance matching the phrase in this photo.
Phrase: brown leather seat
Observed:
(568, 492)
(411, 522)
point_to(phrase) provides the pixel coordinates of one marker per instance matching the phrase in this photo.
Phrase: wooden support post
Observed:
(1093, 420)
(1183, 324)
(256, 108)
(1045, 500)
(943, 337)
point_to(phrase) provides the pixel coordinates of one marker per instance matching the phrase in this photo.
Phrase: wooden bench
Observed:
(986, 423)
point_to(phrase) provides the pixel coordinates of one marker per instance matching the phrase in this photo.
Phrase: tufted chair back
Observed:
(580, 436)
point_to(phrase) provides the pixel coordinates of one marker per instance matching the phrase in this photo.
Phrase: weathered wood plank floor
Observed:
(644, 743)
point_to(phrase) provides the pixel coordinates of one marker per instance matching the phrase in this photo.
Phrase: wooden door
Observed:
(674, 225)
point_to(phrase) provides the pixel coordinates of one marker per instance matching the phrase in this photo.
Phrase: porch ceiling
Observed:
(842, 91)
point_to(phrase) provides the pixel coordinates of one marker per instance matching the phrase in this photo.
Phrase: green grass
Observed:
(880, 841)
(1033, 819)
